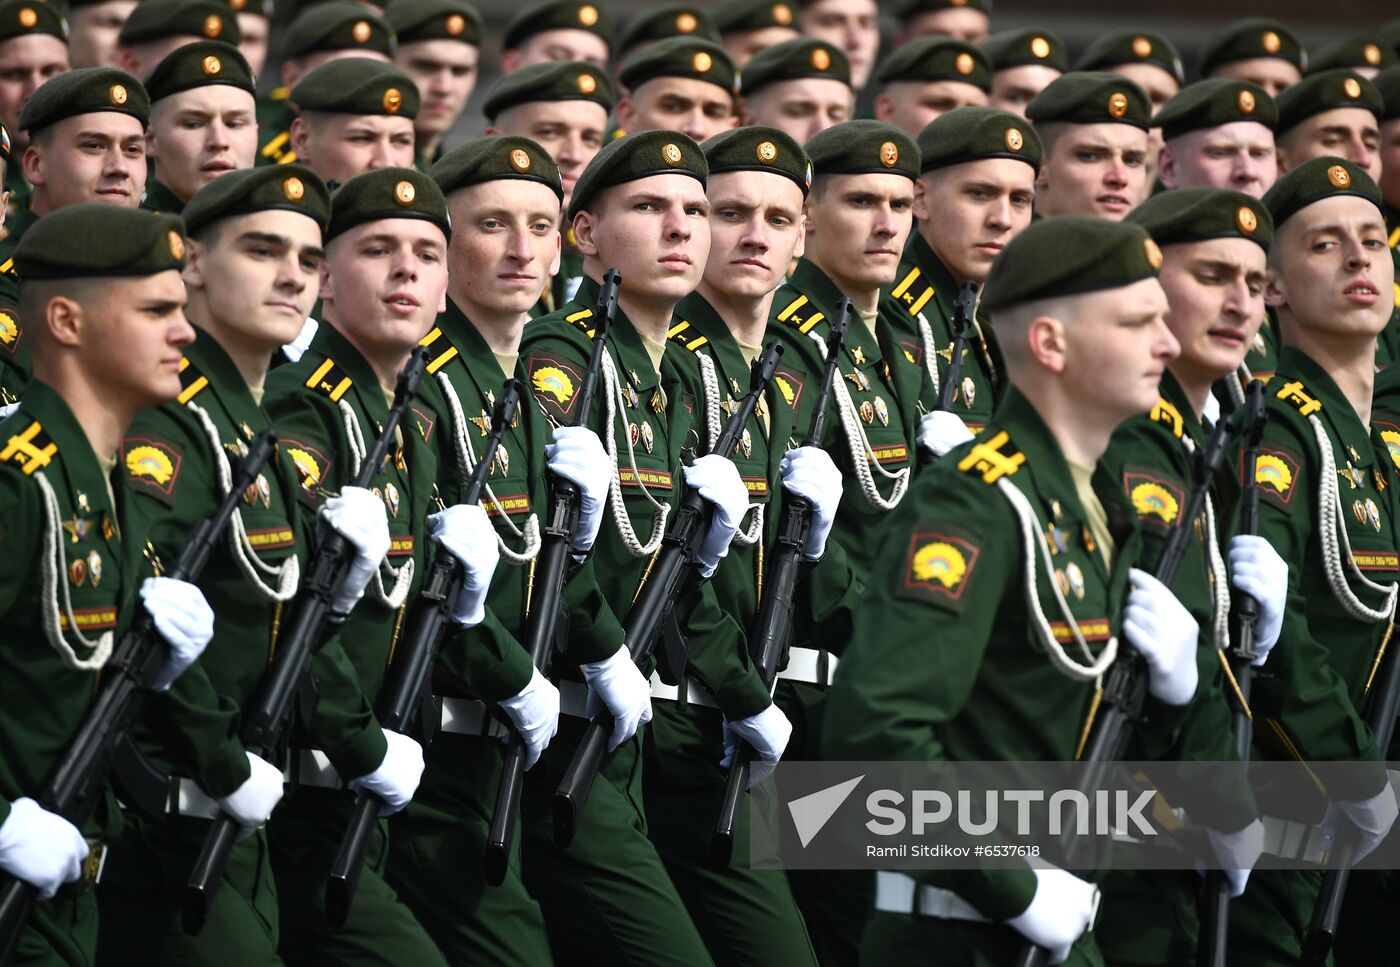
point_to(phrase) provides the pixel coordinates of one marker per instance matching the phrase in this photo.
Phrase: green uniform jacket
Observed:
(274, 113)
(161, 199)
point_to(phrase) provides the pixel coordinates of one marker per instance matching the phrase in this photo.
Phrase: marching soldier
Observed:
(664, 23)
(746, 29)
(356, 116)
(1024, 62)
(1258, 50)
(93, 42)
(156, 28)
(1361, 54)
(554, 30)
(801, 87)
(852, 26)
(960, 19)
(33, 48)
(439, 45)
(1388, 83)
(682, 85)
(1219, 133)
(930, 76)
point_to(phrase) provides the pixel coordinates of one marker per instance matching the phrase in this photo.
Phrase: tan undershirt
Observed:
(507, 362)
(869, 318)
(656, 348)
(108, 464)
(256, 392)
(1093, 509)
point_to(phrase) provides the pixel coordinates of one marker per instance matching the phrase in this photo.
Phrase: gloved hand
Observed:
(358, 516)
(940, 431)
(1258, 571)
(578, 456)
(396, 779)
(251, 804)
(465, 531)
(1164, 633)
(41, 848)
(1236, 853)
(809, 472)
(1063, 910)
(8, 408)
(183, 618)
(1373, 817)
(620, 685)
(767, 732)
(718, 481)
(534, 712)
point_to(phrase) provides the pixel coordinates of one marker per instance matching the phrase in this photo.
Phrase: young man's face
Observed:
(801, 108)
(1239, 156)
(911, 105)
(857, 226)
(26, 62)
(259, 274)
(969, 212)
(505, 244)
(254, 28)
(852, 26)
(136, 336)
(695, 108)
(965, 23)
(91, 157)
(1117, 346)
(1215, 290)
(555, 45)
(1094, 169)
(743, 44)
(445, 72)
(387, 282)
(1345, 132)
(1390, 163)
(1015, 87)
(340, 146)
(1160, 86)
(755, 232)
(571, 131)
(200, 134)
(94, 28)
(1270, 73)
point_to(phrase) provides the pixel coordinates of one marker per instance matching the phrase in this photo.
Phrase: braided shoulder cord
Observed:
(403, 576)
(710, 378)
(612, 399)
(1219, 576)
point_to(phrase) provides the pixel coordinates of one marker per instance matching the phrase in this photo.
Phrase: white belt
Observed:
(1297, 841)
(190, 800)
(467, 716)
(803, 666)
(898, 893)
(694, 693)
(573, 698)
(312, 767)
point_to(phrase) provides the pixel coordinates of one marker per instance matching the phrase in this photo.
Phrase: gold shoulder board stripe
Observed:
(31, 448)
(330, 380)
(579, 320)
(1169, 416)
(193, 381)
(1395, 238)
(915, 304)
(274, 146)
(988, 460)
(683, 334)
(440, 349)
(7, 267)
(1296, 393)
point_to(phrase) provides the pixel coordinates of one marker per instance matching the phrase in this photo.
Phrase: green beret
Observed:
(358, 85)
(1019, 48)
(794, 60)
(1388, 83)
(1355, 53)
(1327, 91)
(88, 90)
(636, 156)
(662, 23)
(341, 25)
(163, 19)
(1069, 255)
(19, 18)
(558, 15)
(906, 9)
(977, 133)
(737, 16)
(1200, 214)
(1315, 180)
(758, 148)
(864, 147)
(288, 188)
(564, 80)
(387, 193)
(1213, 102)
(679, 57)
(1132, 47)
(495, 158)
(204, 63)
(934, 58)
(1251, 38)
(94, 240)
(259, 8)
(1091, 97)
(415, 20)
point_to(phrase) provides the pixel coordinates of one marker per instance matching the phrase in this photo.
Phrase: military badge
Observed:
(938, 567)
(152, 466)
(1275, 474)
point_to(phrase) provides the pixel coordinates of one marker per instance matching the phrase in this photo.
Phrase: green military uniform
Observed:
(20, 19)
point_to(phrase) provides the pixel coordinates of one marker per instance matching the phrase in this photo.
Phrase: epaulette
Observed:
(1294, 392)
(192, 381)
(329, 379)
(579, 320)
(440, 349)
(279, 93)
(792, 315)
(686, 336)
(31, 449)
(1169, 416)
(7, 267)
(990, 461)
(912, 294)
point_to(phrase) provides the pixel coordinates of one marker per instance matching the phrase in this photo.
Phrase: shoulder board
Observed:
(278, 149)
(580, 321)
(30, 449)
(192, 381)
(7, 267)
(440, 349)
(279, 93)
(912, 293)
(993, 459)
(1296, 393)
(686, 336)
(1169, 416)
(793, 315)
(330, 379)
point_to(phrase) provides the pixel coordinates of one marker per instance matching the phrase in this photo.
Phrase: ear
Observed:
(1045, 337)
(491, 129)
(801, 248)
(1274, 295)
(64, 318)
(741, 108)
(1166, 167)
(291, 72)
(584, 225)
(510, 61)
(152, 149)
(921, 192)
(809, 227)
(31, 163)
(626, 113)
(1042, 177)
(193, 272)
(884, 107)
(326, 281)
(301, 137)
(128, 61)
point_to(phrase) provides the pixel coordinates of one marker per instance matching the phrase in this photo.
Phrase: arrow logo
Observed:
(811, 812)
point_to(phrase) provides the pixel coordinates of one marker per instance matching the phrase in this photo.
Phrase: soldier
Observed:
(1148, 60)
(746, 29)
(439, 44)
(158, 27)
(851, 26)
(954, 656)
(928, 77)
(966, 21)
(801, 87)
(1360, 54)
(1323, 477)
(553, 30)
(104, 302)
(1024, 62)
(682, 85)
(356, 115)
(95, 26)
(319, 34)
(1335, 113)
(33, 48)
(254, 24)
(1094, 128)
(1219, 133)
(1258, 50)
(203, 122)
(664, 23)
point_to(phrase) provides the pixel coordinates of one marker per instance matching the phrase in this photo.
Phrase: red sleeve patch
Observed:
(938, 567)
(1276, 476)
(311, 466)
(913, 351)
(555, 383)
(152, 465)
(1157, 501)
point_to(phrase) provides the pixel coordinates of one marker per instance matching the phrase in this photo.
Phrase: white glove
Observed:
(940, 431)
(534, 712)
(1258, 571)
(809, 472)
(718, 481)
(396, 779)
(1236, 853)
(578, 456)
(767, 732)
(1165, 634)
(8, 408)
(41, 848)
(358, 516)
(297, 348)
(1373, 817)
(1063, 910)
(465, 532)
(619, 684)
(251, 804)
(183, 618)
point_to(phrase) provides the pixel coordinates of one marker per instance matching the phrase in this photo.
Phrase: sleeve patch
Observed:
(9, 332)
(1276, 475)
(152, 465)
(913, 351)
(424, 422)
(938, 568)
(789, 384)
(1157, 501)
(1390, 433)
(310, 464)
(555, 383)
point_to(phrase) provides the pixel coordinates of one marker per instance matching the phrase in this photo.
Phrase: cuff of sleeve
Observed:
(742, 697)
(999, 895)
(226, 770)
(362, 754)
(495, 680)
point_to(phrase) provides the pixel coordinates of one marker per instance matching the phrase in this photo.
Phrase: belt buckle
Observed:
(93, 865)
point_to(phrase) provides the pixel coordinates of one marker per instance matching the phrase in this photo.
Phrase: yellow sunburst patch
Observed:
(149, 461)
(554, 381)
(1392, 443)
(941, 562)
(785, 388)
(1272, 471)
(307, 467)
(1154, 500)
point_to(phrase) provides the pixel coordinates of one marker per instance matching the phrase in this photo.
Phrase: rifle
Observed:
(287, 682)
(550, 570)
(963, 310)
(658, 594)
(772, 625)
(73, 787)
(1124, 693)
(407, 687)
(1215, 908)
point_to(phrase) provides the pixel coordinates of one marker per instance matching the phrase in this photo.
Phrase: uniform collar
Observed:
(1337, 411)
(696, 310)
(862, 349)
(936, 274)
(331, 344)
(632, 355)
(225, 380)
(1191, 425)
(161, 199)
